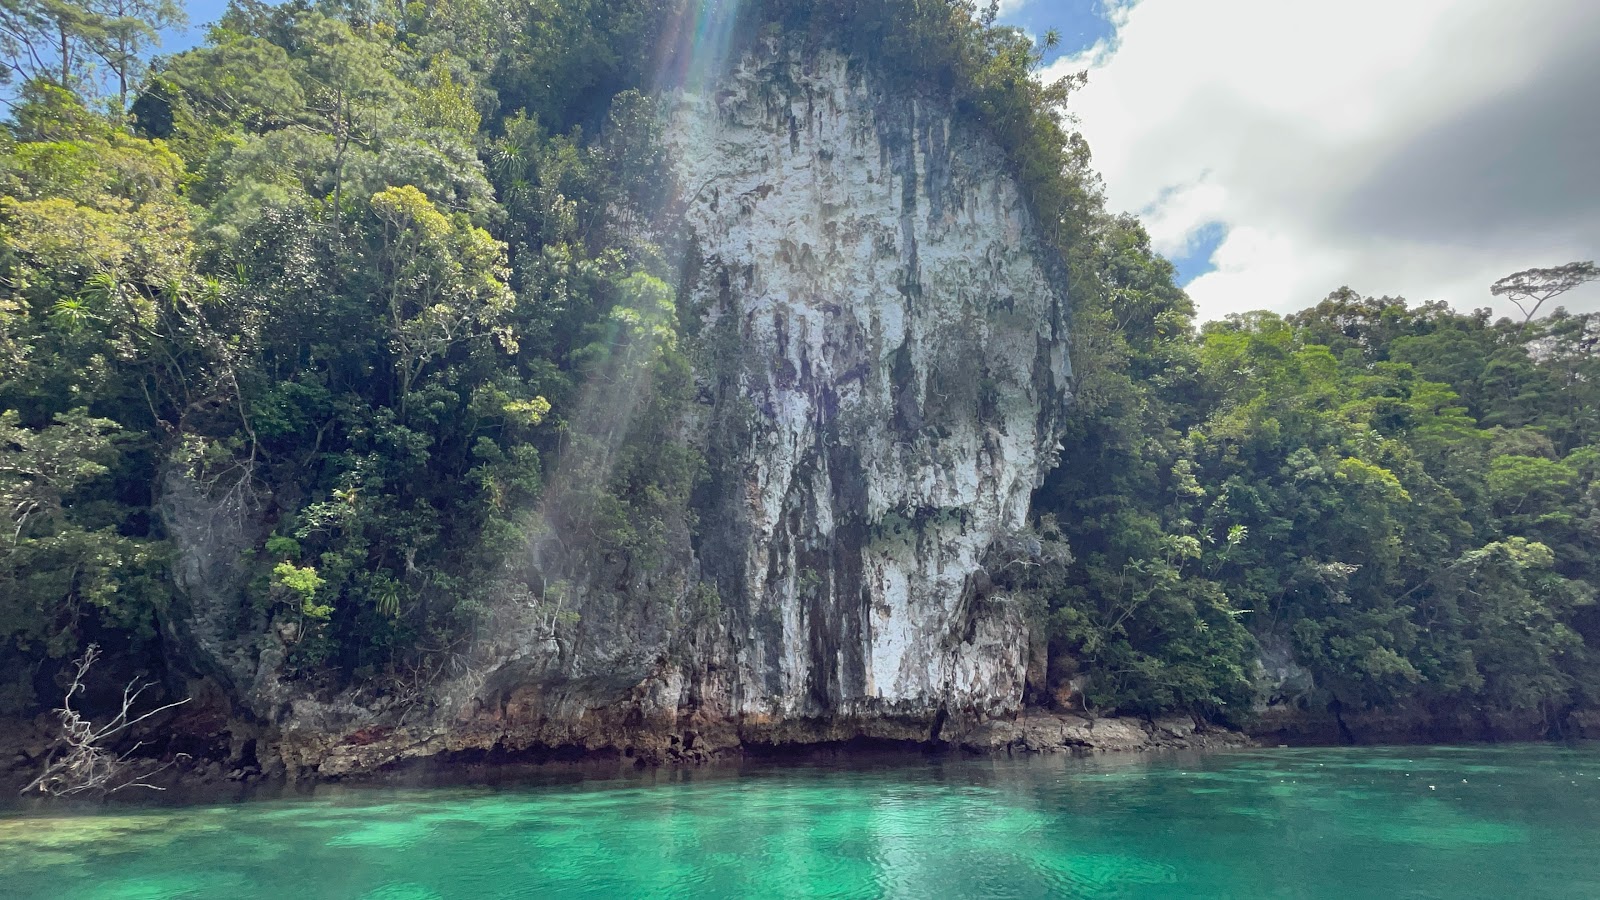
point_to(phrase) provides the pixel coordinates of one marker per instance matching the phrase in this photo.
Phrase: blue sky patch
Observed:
(1203, 243)
(1081, 23)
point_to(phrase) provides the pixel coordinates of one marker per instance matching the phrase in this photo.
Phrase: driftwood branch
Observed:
(82, 761)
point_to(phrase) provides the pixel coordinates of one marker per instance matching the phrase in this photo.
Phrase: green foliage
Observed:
(301, 585)
(1375, 483)
(281, 547)
(94, 46)
(65, 568)
(383, 266)
(292, 279)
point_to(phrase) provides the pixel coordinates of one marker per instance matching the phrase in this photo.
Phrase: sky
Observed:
(202, 13)
(1279, 150)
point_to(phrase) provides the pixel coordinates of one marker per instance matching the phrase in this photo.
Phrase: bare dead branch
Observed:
(80, 762)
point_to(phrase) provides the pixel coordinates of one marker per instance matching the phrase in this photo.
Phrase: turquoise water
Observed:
(1507, 821)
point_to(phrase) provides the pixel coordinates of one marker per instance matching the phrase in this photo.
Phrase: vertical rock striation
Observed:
(882, 351)
(894, 365)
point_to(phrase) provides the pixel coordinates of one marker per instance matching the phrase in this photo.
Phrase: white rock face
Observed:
(898, 365)
(882, 359)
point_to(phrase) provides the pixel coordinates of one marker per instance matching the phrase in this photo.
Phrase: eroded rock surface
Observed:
(1038, 731)
(900, 367)
(883, 373)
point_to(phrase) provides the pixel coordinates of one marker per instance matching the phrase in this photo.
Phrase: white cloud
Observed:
(1398, 146)
(1180, 212)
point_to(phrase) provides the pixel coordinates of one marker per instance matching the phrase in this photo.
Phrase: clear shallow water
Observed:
(1506, 821)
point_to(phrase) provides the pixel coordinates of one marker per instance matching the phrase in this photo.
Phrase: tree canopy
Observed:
(366, 271)
(1530, 288)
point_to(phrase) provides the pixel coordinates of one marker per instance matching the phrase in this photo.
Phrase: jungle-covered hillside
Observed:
(356, 265)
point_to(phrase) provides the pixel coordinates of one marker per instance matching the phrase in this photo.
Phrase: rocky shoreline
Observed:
(1048, 732)
(381, 754)
(264, 761)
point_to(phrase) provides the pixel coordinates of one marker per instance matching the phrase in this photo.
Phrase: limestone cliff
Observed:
(900, 368)
(884, 366)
